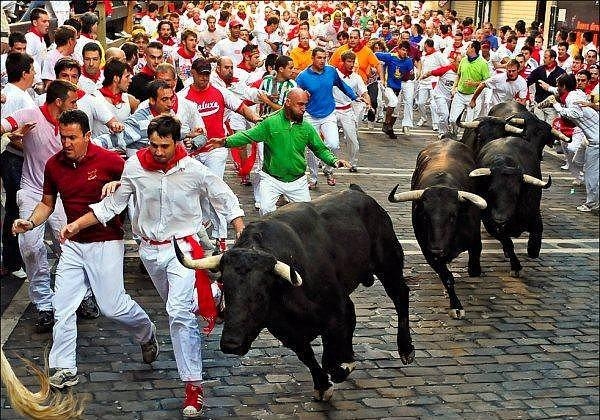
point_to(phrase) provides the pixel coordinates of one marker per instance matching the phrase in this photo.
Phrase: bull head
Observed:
(474, 124)
(555, 133)
(416, 195)
(213, 263)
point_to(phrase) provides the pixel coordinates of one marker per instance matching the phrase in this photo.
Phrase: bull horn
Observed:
(516, 120)
(285, 271)
(206, 263)
(470, 124)
(404, 196)
(512, 129)
(528, 179)
(560, 136)
(473, 198)
(480, 172)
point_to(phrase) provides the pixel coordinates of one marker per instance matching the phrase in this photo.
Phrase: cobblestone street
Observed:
(527, 348)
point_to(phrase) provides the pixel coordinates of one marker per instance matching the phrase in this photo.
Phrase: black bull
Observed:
(327, 248)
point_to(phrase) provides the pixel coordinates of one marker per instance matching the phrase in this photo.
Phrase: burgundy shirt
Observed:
(80, 184)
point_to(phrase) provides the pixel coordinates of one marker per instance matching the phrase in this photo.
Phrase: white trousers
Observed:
(461, 101)
(98, 265)
(175, 285)
(422, 94)
(256, 170)
(442, 111)
(33, 248)
(408, 99)
(215, 161)
(390, 99)
(347, 119)
(271, 188)
(327, 127)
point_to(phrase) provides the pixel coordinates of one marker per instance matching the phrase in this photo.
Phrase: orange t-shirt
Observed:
(365, 57)
(302, 58)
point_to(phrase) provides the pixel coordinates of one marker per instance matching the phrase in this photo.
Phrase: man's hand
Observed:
(543, 84)
(21, 226)
(215, 142)
(17, 135)
(263, 97)
(255, 118)
(340, 163)
(68, 231)
(109, 188)
(115, 126)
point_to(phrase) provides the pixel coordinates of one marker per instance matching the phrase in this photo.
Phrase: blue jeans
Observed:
(10, 171)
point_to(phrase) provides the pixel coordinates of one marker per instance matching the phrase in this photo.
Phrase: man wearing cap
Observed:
(230, 46)
(472, 70)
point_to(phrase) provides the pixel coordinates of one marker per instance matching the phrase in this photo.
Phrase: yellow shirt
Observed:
(302, 58)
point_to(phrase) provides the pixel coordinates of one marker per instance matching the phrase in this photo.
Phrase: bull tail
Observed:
(40, 405)
(356, 187)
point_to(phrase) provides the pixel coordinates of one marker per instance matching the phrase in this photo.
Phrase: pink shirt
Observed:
(42, 142)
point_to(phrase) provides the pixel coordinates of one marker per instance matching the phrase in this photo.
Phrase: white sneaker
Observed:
(421, 121)
(20, 274)
(435, 127)
(565, 167)
(406, 130)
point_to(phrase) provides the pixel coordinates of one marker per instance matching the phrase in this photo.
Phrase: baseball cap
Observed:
(235, 23)
(201, 65)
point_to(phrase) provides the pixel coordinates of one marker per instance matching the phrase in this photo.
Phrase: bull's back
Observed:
(443, 163)
(513, 148)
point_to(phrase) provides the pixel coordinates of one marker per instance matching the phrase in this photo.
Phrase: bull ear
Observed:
(288, 273)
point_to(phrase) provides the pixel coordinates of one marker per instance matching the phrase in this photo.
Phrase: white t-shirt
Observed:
(48, 65)
(504, 90)
(15, 99)
(228, 48)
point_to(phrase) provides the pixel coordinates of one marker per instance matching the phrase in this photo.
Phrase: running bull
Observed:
(506, 119)
(293, 272)
(445, 211)
(509, 178)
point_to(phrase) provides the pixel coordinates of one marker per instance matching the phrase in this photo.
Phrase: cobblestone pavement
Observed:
(528, 347)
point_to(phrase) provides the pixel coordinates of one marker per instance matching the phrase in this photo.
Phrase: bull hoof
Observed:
(515, 273)
(342, 372)
(456, 313)
(533, 253)
(407, 358)
(324, 395)
(475, 272)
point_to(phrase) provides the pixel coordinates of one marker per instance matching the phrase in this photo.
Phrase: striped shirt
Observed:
(273, 87)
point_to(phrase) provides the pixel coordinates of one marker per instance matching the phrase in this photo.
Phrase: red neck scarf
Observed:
(49, 118)
(244, 66)
(169, 41)
(184, 53)
(562, 98)
(304, 49)
(552, 65)
(80, 93)
(149, 164)
(361, 44)
(242, 15)
(563, 60)
(35, 31)
(345, 72)
(147, 71)
(88, 36)
(93, 77)
(115, 98)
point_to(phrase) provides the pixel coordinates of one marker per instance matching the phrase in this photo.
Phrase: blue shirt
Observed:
(320, 86)
(396, 68)
(493, 41)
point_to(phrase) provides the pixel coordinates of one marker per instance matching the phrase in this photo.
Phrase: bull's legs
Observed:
(456, 308)
(509, 252)
(323, 388)
(475, 257)
(396, 288)
(534, 244)
(338, 354)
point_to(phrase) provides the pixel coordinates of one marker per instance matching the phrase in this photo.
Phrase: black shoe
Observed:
(353, 169)
(45, 322)
(88, 309)
(150, 348)
(390, 133)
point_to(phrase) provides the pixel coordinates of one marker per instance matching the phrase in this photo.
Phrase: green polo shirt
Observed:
(285, 144)
(475, 71)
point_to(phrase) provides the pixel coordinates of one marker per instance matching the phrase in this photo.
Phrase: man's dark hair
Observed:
(572, 37)
(468, 21)
(75, 23)
(36, 13)
(511, 39)
(317, 50)
(273, 20)
(16, 64)
(249, 49)
(303, 15)
(341, 34)
(154, 86)
(526, 48)
(429, 42)
(530, 41)
(113, 67)
(130, 49)
(165, 125)
(520, 26)
(578, 57)
(563, 44)
(88, 20)
(513, 63)
(586, 73)
(563, 34)
(224, 16)
(587, 36)
(405, 45)
(188, 33)
(75, 116)
(66, 63)
(270, 61)
(567, 81)
(63, 34)
(152, 7)
(504, 29)
(155, 44)
(91, 46)
(552, 53)
(282, 62)
(348, 21)
(59, 89)
(476, 46)
(15, 37)
(166, 22)
(444, 29)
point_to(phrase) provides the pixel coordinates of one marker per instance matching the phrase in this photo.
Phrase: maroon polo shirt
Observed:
(80, 184)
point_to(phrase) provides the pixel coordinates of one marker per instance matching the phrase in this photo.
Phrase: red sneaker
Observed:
(193, 402)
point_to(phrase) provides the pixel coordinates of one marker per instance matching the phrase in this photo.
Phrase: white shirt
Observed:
(88, 85)
(585, 117)
(565, 65)
(503, 52)
(36, 47)
(358, 86)
(48, 64)
(16, 99)
(261, 37)
(150, 25)
(430, 62)
(228, 48)
(504, 90)
(171, 201)
(121, 112)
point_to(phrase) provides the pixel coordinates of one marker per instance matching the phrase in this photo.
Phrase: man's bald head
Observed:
(115, 52)
(295, 104)
(296, 94)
